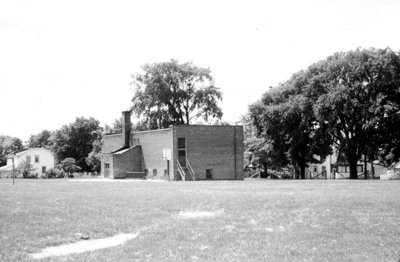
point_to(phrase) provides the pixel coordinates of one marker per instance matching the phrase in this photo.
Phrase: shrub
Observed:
(55, 173)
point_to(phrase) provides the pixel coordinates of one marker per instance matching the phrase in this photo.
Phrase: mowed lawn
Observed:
(263, 220)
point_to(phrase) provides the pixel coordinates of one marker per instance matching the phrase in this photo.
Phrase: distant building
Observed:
(181, 152)
(331, 168)
(39, 159)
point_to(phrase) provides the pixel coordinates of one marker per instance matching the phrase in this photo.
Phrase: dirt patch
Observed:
(197, 214)
(84, 246)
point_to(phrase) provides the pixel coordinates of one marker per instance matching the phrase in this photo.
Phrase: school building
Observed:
(180, 152)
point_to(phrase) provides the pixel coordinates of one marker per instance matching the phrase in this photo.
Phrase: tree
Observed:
(116, 128)
(285, 122)
(9, 145)
(360, 103)
(69, 166)
(75, 140)
(174, 93)
(40, 140)
(93, 160)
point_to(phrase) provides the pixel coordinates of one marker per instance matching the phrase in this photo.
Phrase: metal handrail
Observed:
(340, 175)
(180, 171)
(323, 172)
(191, 171)
(255, 174)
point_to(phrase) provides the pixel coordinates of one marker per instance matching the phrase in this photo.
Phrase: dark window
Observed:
(107, 165)
(315, 169)
(209, 174)
(181, 142)
(155, 172)
(28, 159)
(36, 159)
(165, 173)
(43, 169)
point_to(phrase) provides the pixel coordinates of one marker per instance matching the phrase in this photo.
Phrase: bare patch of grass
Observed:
(84, 246)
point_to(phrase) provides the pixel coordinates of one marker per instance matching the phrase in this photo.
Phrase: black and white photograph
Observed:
(188, 130)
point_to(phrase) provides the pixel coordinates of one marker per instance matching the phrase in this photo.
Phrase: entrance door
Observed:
(209, 174)
(182, 157)
(324, 171)
(182, 151)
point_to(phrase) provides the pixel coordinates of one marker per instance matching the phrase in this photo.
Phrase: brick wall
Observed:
(112, 143)
(212, 147)
(153, 143)
(129, 160)
(107, 172)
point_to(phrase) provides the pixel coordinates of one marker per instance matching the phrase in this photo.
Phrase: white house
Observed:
(393, 172)
(40, 159)
(333, 169)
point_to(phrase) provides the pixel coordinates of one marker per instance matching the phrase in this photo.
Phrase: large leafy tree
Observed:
(284, 118)
(174, 93)
(360, 103)
(9, 145)
(76, 140)
(349, 100)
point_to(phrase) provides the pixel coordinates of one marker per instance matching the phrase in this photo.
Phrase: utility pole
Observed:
(13, 173)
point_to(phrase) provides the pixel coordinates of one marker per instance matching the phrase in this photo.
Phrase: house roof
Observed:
(6, 168)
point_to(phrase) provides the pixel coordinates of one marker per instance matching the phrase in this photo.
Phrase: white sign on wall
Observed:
(167, 154)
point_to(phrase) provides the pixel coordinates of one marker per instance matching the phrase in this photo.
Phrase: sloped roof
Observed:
(123, 150)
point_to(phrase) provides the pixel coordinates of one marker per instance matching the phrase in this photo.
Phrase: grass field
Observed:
(267, 220)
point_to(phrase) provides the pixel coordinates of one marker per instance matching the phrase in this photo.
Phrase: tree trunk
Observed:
(372, 170)
(353, 168)
(303, 171)
(365, 167)
(265, 166)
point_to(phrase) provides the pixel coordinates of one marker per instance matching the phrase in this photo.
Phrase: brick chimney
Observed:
(126, 128)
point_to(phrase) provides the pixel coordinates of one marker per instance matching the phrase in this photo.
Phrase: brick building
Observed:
(180, 152)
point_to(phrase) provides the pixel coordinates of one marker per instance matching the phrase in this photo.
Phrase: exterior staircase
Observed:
(186, 173)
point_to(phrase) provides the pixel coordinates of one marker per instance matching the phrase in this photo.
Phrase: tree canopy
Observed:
(349, 101)
(76, 140)
(174, 93)
(40, 140)
(9, 145)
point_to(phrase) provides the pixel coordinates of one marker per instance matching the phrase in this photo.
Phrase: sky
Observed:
(65, 59)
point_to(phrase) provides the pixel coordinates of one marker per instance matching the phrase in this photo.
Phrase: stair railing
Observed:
(322, 174)
(257, 174)
(191, 171)
(181, 171)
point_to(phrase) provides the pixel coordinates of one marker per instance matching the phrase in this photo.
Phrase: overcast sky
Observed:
(64, 59)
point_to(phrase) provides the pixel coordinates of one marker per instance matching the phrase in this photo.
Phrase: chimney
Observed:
(126, 128)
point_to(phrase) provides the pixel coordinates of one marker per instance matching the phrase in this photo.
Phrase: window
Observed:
(28, 159)
(315, 169)
(43, 169)
(346, 169)
(107, 165)
(36, 159)
(181, 143)
(155, 172)
(342, 169)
